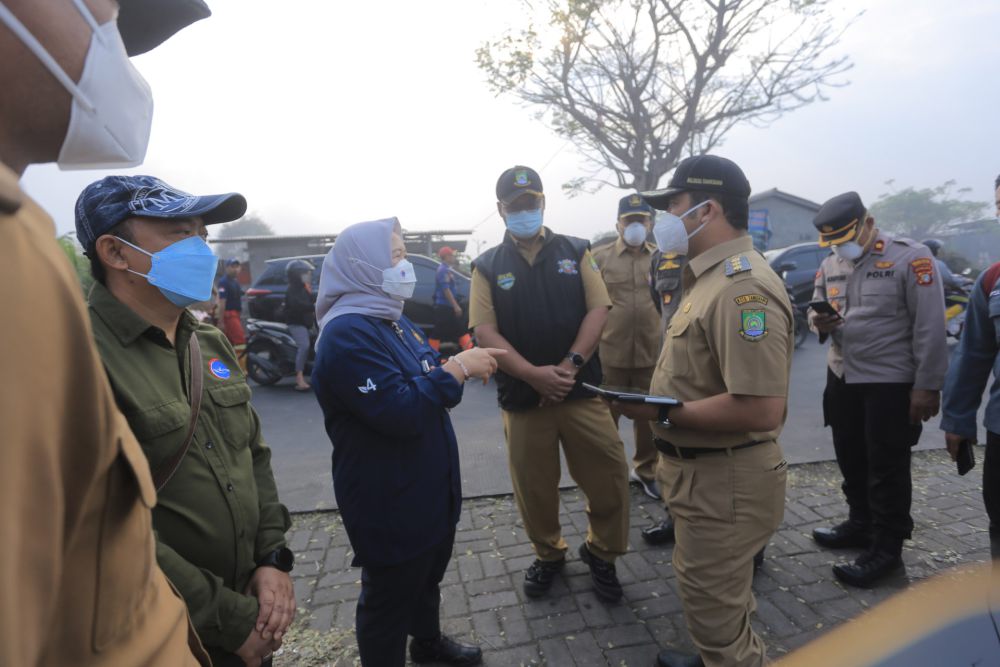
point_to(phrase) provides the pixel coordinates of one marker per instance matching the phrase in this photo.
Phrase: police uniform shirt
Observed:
(631, 337)
(731, 334)
(219, 514)
(893, 309)
(481, 296)
(80, 582)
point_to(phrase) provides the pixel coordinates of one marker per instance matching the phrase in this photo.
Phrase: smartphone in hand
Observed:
(824, 308)
(965, 460)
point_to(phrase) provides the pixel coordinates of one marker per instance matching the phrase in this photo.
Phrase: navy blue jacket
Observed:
(976, 356)
(395, 458)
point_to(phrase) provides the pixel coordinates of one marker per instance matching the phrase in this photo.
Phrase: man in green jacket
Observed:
(219, 526)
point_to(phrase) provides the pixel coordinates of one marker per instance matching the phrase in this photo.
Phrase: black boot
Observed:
(659, 533)
(539, 577)
(850, 533)
(670, 658)
(884, 558)
(603, 574)
(446, 650)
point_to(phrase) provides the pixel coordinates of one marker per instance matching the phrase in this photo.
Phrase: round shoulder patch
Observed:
(218, 369)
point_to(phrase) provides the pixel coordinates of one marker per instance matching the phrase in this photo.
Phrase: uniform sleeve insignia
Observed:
(568, 266)
(744, 299)
(593, 265)
(754, 325)
(879, 246)
(218, 369)
(924, 270)
(505, 281)
(737, 264)
(884, 265)
(668, 264)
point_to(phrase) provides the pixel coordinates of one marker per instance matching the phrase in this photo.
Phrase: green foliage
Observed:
(78, 261)
(920, 213)
(250, 224)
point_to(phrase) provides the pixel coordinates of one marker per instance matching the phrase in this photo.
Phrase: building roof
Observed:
(790, 198)
(330, 237)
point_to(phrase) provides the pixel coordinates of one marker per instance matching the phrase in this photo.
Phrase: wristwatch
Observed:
(662, 416)
(576, 358)
(282, 559)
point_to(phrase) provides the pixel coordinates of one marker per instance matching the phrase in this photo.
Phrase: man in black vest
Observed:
(539, 295)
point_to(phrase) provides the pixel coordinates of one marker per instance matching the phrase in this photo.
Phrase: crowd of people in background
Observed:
(140, 513)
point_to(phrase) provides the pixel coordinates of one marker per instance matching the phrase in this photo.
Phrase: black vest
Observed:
(539, 309)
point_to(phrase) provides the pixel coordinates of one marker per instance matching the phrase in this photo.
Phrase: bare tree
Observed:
(637, 85)
(250, 224)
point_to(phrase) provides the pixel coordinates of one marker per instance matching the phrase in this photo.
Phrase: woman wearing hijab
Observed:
(385, 398)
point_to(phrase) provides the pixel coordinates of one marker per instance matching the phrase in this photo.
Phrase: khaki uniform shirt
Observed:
(893, 309)
(77, 569)
(732, 334)
(219, 514)
(631, 338)
(481, 296)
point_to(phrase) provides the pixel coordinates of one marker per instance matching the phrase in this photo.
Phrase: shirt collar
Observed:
(621, 247)
(538, 240)
(125, 323)
(719, 253)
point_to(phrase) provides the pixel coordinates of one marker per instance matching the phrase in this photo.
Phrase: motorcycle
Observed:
(956, 302)
(271, 352)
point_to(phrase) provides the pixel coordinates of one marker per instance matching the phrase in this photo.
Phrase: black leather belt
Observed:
(673, 451)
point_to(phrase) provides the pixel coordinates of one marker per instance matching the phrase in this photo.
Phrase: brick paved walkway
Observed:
(797, 596)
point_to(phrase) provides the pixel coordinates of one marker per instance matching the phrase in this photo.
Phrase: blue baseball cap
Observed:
(632, 205)
(104, 204)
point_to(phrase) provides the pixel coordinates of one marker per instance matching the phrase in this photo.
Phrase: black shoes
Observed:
(446, 650)
(602, 573)
(669, 658)
(659, 533)
(846, 534)
(883, 559)
(538, 579)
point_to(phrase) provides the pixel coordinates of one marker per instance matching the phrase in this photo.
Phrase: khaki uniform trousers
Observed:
(725, 506)
(645, 457)
(595, 457)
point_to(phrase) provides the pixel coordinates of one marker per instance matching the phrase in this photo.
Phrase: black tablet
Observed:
(625, 396)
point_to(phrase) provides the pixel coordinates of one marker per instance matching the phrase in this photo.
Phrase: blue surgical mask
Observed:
(524, 224)
(183, 272)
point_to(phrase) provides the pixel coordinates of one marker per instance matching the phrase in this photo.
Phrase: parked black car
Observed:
(265, 297)
(798, 265)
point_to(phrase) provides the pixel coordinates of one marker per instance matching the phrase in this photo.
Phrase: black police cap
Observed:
(145, 24)
(516, 181)
(838, 219)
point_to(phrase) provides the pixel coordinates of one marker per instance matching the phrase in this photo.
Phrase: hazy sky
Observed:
(324, 114)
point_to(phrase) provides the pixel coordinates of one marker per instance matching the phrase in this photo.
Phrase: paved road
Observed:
(293, 426)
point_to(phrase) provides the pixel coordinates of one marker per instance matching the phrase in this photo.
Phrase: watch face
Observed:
(577, 360)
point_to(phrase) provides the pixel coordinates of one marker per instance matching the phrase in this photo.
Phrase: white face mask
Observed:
(849, 251)
(112, 110)
(397, 281)
(671, 234)
(634, 234)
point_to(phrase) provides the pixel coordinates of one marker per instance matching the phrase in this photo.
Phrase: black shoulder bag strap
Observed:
(195, 385)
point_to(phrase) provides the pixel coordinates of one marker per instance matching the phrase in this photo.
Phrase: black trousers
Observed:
(447, 327)
(872, 437)
(400, 600)
(991, 489)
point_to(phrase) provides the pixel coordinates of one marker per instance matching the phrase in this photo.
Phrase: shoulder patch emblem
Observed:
(884, 265)
(744, 299)
(753, 325)
(737, 264)
(505, 281)
(593, 265)
(218, 369)
(924, 270)
(568, 266)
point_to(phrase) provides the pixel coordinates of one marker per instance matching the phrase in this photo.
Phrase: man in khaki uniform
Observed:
(80, 582)
(630, 343)
(885, 370)
(539, 295)
(220, 529)
(727, 356)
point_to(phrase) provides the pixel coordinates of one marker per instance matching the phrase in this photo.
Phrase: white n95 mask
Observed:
(112, 111)
(671, 234)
